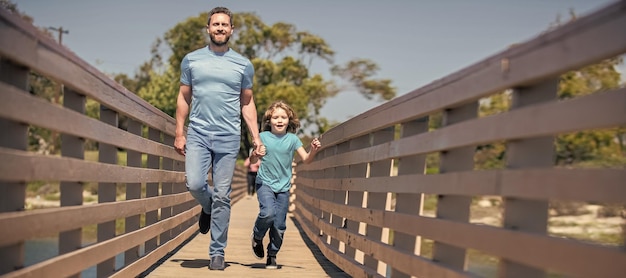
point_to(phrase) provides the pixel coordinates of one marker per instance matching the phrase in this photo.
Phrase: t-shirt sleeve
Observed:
(297, 143)
(248, 76)
(185, 71)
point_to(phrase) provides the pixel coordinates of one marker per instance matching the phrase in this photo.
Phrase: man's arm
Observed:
(248, 110)
(182, 110)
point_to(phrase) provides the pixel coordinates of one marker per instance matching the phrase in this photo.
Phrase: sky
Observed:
(414, 42)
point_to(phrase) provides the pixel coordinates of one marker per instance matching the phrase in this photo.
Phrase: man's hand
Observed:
(179, 144)
(259, 150)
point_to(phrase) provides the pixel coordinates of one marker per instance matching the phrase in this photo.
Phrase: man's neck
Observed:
(216, 48)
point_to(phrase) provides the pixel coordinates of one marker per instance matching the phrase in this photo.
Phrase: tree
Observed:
(602, 146)
(281, 56)
(11, 7)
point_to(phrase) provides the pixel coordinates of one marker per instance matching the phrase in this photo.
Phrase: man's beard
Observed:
(219, 43)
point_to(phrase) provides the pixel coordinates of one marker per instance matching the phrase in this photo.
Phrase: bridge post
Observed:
(177, 187)
(338, 197)
(379, 200)
(455, 207)
(525, 214)
(152, 189)
(410, 203)
(133, 191)
(166, 189)
(107, 191)
(355, 198)
(181, 187)
(13, 194)
(72, 191)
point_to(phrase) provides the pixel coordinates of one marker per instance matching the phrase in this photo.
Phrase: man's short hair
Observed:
(220, 10)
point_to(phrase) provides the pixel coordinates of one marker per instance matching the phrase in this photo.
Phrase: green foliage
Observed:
(11, 7)
(596, 148)
(491, 156)
(430, 202)
(161, 91)
(359, 73)
(603, 146)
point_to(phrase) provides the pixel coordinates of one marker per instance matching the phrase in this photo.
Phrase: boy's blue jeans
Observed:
(273, 208)
(219, 152)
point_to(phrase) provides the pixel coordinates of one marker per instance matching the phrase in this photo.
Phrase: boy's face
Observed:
(279, 121)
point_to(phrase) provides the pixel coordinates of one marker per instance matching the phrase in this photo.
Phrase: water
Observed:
(38, 250)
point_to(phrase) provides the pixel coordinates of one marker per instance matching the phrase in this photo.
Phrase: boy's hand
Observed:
(316, 145)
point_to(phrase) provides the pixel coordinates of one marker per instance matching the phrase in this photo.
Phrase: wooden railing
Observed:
(361, 200)
(157, 212)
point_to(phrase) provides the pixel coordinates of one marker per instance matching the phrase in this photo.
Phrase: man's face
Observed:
(219, 29)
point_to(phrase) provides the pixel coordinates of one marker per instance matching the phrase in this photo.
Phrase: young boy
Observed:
(273, 181)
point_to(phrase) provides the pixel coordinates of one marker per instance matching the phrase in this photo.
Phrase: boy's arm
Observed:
(307, 157)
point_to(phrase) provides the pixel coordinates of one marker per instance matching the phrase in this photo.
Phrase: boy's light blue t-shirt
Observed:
(216, 81)
(275, 170)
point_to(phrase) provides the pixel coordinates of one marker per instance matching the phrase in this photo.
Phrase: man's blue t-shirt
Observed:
(216, 81)
(275, 170)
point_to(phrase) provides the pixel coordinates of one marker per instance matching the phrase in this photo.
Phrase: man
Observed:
(216, 82)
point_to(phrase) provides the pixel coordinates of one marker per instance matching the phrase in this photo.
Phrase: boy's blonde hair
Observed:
(294, 122)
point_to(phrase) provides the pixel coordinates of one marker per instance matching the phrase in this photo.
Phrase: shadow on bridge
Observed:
(299, 257)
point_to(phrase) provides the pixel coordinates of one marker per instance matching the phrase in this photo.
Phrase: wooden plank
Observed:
(378, 200)
(29, 47)
(339, 196)
(23, 43)
(556, 253)
(22, 166)
(591, 185)
(406, 262)
(133, 191)
(152, 189)
(74, 262)
(72, 191)
(526, 214)
(37, 223)
(12, 193)
(22, 107)
(585, 41)
(455, 207)
(356, 198)
(148, 260)
(347, 263)
(107, 192)
(601, 110)
(409, 203)
(166, 189)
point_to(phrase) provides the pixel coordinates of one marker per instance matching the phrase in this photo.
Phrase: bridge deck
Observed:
(299, 257)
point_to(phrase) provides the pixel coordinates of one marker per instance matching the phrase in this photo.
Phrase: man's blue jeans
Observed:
(272, 216)
(203, 152)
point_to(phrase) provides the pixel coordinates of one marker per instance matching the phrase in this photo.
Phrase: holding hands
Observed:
(259, 150)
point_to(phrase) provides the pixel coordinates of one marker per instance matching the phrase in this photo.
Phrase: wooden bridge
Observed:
(357, 210)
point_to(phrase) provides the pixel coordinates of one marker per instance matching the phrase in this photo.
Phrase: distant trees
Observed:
(605, 147)
(587, 148)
